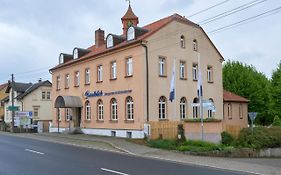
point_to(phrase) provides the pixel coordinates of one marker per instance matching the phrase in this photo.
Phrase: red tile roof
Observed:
(129, 14)
(2, 86)
(231, 97)
(152, 28)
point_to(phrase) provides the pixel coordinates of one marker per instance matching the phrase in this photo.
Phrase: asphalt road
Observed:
(21, 156)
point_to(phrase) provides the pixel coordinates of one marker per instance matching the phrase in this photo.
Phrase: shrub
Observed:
(226, 138)
(261, 138)
(163, 144)
(276, 121)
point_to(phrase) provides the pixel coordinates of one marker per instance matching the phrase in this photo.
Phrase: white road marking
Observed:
(36, 152)
(112, 171)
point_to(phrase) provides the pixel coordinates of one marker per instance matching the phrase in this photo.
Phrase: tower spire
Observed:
(129, 19)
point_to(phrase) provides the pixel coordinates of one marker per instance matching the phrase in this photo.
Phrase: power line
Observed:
(209, 8)
(273, 11)
(232, 11)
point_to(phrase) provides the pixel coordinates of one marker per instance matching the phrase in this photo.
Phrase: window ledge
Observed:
(99, 121)
(129, 121)
(210, 81)
(163, 119)
(183, 78)
(195, 79)
(100, 81)
(128, 76)
(66, 88)
(163, 76)
(112, 79)
(57, 89)
(87, 121)
(113, 121)
(76, 86)
(87, 84)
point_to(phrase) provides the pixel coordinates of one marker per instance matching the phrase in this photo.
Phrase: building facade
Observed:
(121, 85)
(34, 98)
(2, 96)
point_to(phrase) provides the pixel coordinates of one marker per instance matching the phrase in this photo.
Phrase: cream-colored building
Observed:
(120, 86)
(34, 98)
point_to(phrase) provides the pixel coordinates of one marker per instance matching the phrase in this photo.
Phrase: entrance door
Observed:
(79, 117)
(76, 117)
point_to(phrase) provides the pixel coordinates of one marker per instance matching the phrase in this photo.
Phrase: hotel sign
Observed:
(89, 94)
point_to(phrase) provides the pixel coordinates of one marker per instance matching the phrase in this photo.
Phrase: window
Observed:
(183, 108)
(48, 95)
(182, 70)
(129, 67)
(99, 73)
(113, 133)
(43, 95)
(195, 45)
(88, 110)
(195, 71)
(75, 53)
(87, 76)
(109, 41)
(210, 111)
(131, 33)
(77, 79)
(61, 59)
(113, 70)
(129, 135)
(182, 42)
(113, 109)
(210, 74)
(162, 107)
(58, 82)
(130, 108)
(161, 66)
(229, 112)
(100, 110)
(240, 111)
(67, 81)
(195, 108)
(67, 114)
(35, 112)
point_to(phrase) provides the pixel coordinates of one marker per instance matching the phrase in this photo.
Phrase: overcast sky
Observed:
(34, 32)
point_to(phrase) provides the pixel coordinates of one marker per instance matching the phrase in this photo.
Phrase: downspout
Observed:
(147, 81)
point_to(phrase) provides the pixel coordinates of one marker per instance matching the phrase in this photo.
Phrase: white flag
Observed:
(199, 82)
(172, 84)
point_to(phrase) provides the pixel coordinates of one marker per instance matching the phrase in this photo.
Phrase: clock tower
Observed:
(129, 19)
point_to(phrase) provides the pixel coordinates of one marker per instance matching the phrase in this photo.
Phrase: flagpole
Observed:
(200, 94)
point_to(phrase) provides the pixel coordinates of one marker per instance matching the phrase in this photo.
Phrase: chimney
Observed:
(99, 37)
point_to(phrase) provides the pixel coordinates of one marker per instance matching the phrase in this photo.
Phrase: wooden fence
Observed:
(164, 129)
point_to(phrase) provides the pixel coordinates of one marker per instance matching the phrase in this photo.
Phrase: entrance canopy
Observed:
(68, 102)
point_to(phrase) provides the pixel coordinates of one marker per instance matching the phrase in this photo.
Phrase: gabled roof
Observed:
(2, 86)
(231, 97)
(151, 29)
(18, 87)
(34, 87)
(129, 14)
(4, 99)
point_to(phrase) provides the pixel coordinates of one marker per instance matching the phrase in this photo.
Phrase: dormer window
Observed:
(75, 53)
(131, 33)
(61, 59)
(109, 41)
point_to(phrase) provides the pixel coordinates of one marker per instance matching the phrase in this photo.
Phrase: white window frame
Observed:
(99, 73)
(182, 69)
(36, 111)
(114, 114)
(195, 71)
(162, 107)
(100, 110)
(130, 108)
(48, 95)
(67, 114)
(240, 111)
(183, 108)
(195, 45)
(109, 41)
(88, 110)
(210, 74)
(229, 111)
(58, 82)
(129, 66)
(210, 113)
(87, 76)
(67, 81)
(44, 95)
(113, 70)
(161, 63)
(131, 33)
(77, 79)
(61, 59)
(58, 114)
(182, 41)
(75, 53)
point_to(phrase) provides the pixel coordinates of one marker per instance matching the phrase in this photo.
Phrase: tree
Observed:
(246, 81)
(276, 121)
(276, 90)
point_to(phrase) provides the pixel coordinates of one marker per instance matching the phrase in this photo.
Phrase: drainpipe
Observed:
(147, 81)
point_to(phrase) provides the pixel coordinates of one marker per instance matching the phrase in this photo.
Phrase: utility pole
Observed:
(13, 104)
(200, 94)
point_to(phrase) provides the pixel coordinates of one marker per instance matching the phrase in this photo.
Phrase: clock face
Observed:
(129, 23)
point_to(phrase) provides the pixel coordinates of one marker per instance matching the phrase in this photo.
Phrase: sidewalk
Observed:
(255, 166)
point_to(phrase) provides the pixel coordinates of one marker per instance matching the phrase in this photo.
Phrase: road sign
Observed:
(13, 108)
(23, 113)
(252, 116)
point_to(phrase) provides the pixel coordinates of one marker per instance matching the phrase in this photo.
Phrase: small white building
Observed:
(34, 98)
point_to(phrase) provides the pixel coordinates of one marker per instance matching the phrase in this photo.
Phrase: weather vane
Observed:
(129, 1)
